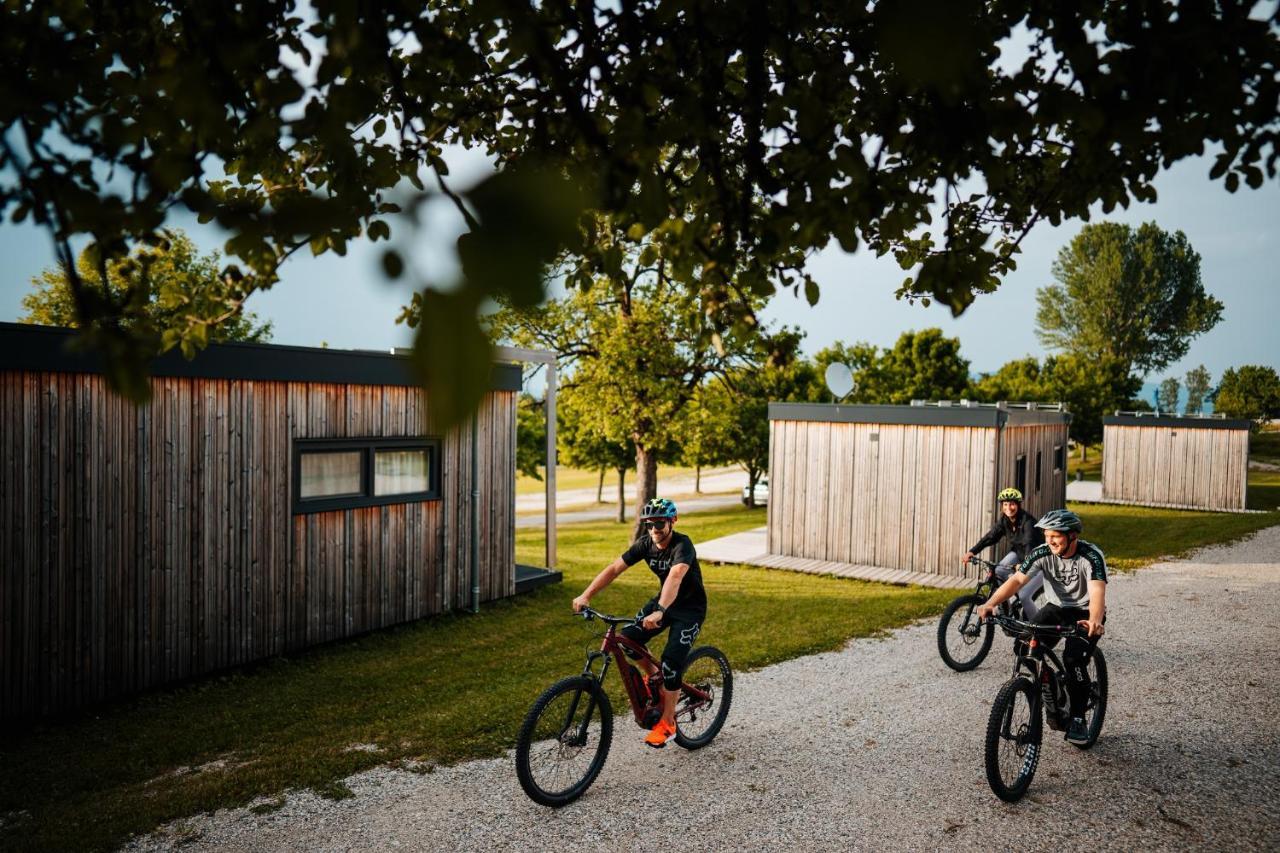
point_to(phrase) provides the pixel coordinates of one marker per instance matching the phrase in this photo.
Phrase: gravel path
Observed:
(879, 746)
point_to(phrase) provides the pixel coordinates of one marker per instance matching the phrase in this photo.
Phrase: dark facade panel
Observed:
(42, 348)
(1173, 422)
(866, 414)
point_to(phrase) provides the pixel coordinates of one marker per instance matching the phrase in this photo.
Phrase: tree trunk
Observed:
(600, 488)
(697, 479)
(646, 478)
(752, 476)
(622, 495)
(1084, 452)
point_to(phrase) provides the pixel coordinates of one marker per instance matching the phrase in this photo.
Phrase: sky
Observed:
(346, 302)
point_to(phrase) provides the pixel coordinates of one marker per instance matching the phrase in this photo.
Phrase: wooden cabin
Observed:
(267, 499)
(906, 487)
(1185, 463)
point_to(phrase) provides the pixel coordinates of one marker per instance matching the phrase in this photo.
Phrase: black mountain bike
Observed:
(964, 640)
(1036, 694)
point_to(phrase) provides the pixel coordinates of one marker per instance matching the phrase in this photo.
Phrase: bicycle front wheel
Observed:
(1013, 740)
(1096, 710)
(564, 741)
(706, 692)
(963, 643)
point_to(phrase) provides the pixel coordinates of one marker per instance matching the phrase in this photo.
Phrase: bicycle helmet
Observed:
(1009, 494)
(1063, 520)
(658, 508)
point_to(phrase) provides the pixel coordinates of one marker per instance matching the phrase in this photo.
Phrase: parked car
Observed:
(762, 492)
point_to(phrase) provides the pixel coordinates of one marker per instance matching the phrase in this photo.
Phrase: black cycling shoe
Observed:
(1078, 731)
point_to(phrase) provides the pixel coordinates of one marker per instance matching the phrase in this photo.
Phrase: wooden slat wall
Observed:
(1175, 466)
(902, 497)
(144, 545)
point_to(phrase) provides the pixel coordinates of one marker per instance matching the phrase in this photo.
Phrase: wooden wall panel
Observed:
(900, 496)
(1178, 466)
(142, 545)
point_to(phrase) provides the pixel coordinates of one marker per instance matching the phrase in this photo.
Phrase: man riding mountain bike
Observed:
(1075, 584)
(681, 602)
(1017, 526)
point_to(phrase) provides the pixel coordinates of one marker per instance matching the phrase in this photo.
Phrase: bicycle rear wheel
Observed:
(962, 642)
(1013, 740)
(1096, 710)
(564, 741)
(705, 696)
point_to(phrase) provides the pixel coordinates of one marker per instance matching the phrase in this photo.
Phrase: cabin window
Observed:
(401, 472)
(1059, 460)
(349, 473)
(1038, 460)
(1020, 473)
(326, 475)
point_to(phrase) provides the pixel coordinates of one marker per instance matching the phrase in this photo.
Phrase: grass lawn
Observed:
(1265, 446)
(1090, 469)
(451, 687)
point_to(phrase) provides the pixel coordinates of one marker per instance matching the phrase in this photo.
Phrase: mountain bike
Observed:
(1036, 694)
(963, 640)
(565, 737)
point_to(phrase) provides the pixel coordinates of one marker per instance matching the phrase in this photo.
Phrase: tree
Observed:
(531, 435)
(1131, 296)
(179, 294)
(704, 440)
(922, 365)
(1251, 391)
(1019, 380)
(1167, 395)
(863, 361)
(582, 445)
(744, 395)
(755, 136)
(636, 349)
(1199, 383)
(1090, 388)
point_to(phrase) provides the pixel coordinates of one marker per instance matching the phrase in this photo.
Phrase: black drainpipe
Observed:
(475, 513)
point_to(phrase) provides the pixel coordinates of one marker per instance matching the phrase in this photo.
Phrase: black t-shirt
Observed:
(692, 597)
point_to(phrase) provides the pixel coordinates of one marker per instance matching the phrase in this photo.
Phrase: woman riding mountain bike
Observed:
(1018, 528)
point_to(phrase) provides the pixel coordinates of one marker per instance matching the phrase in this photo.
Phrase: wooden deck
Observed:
(749, 549)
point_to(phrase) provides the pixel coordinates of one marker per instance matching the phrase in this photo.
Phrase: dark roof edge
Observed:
(867, 414)
(913, 415)
(1183, 423)
(45, 349)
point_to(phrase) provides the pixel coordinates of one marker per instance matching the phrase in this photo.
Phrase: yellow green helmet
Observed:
(1009, 494)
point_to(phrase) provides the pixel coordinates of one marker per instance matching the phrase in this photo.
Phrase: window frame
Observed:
(1020, 472)
(368, 446)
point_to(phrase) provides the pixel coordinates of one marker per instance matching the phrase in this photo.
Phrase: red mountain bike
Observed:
(565, 737)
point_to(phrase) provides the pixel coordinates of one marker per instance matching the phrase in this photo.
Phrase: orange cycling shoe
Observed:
(660, 734)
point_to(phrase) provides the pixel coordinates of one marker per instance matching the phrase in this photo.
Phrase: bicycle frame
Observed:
(613, 648)
(1041, 664)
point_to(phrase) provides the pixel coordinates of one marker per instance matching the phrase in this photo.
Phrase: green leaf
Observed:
(452, 356)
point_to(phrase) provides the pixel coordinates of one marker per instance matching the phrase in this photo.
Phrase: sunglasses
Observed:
(655, 525)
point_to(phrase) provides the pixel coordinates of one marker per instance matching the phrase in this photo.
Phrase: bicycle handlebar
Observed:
(589, 614)
(982, 562)
(1021, 626)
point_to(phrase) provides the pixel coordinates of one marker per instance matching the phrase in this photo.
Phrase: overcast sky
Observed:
(345, 302)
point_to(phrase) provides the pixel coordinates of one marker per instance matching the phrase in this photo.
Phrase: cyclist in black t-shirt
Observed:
(681, 602)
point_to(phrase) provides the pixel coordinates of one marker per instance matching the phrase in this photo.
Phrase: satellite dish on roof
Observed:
(839, 380)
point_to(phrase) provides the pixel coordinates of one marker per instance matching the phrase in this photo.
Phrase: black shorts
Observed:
(685, 628)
